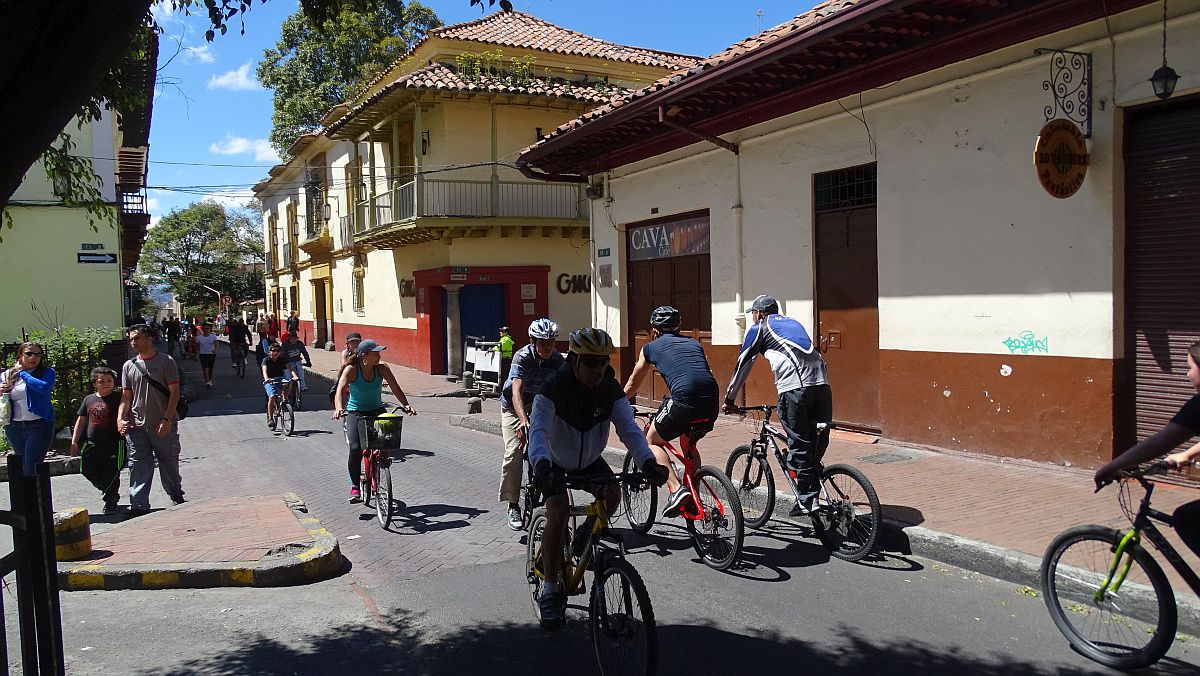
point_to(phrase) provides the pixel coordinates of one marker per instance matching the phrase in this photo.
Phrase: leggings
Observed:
(354, 462)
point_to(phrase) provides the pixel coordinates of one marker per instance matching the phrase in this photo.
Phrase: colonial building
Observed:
(981, 210)
(404, 217)
(59, 270)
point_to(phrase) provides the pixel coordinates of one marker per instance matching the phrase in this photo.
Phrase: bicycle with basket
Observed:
(380, 435)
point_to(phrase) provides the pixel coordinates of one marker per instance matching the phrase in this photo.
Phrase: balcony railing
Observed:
(346, 229)
(473, 199)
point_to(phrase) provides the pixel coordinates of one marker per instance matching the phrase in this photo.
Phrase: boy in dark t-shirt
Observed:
(96, 427)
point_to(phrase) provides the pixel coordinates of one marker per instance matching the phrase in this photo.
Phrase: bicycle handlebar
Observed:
(585, 481)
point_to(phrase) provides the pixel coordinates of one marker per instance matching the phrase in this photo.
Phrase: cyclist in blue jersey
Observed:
(802, 381)
(694, 397)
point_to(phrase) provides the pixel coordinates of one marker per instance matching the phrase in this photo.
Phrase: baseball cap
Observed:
(368, 345)
(354, 335)
(764, 303)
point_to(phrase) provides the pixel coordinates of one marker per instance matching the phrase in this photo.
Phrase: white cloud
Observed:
(232, 198)
(237, 80)
(151, 204)
(201, 54)
(237, 145)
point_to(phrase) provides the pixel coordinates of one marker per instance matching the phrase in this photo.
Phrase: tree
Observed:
(316, 66)
(205, 245)
(57, 58)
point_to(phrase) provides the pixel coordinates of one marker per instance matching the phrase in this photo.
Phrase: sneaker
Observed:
(676, 502)
(514, 517)
(208, 386)
(111, 508)
(271, 424)
(801, 508)
(355, 496)
(178, 500)
(551, 600)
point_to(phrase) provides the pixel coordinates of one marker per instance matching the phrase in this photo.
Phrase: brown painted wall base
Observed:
(1056, 409)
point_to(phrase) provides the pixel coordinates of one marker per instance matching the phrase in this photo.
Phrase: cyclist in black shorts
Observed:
(694, 398)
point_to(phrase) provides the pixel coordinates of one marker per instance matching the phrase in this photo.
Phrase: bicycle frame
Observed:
(695, 510)
(1143, 523)
(766, 434)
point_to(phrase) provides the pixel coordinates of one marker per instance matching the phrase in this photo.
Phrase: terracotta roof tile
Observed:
(806, 20)
(517, 29)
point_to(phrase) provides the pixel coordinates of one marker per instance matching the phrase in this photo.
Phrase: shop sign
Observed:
(1061, 158)
(574, 283)
(665, 240)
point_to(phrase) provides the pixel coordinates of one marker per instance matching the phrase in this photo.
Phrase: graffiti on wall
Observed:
(1027, 342)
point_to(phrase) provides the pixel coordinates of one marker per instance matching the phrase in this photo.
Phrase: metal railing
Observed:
(383, 208)
(477, 199)
(346, 229)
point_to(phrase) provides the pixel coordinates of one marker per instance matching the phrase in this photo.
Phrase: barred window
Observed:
(357, 302)
(845, 189)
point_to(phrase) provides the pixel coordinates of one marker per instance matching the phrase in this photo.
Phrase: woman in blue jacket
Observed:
(28, 385)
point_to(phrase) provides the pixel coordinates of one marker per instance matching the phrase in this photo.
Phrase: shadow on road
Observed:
(427, 518)
(407, 645)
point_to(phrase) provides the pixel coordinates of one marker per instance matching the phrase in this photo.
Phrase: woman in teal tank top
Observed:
(364, 377)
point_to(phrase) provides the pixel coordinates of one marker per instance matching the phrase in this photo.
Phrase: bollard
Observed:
(72, 534)
(468, 380)
(474, 405)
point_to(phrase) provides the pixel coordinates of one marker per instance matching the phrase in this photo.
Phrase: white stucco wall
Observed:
(972, 250)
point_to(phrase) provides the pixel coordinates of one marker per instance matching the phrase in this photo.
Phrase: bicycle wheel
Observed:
(1125, 627)
(622, 621)
(383, 494)
(717, 537)
(847, 513)
(287, 418)
(297, 398)
(533, 557)
(640, 502)
(755, 484)
(365, 482)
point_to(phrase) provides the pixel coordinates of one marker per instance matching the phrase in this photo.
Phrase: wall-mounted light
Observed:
(328, 211)
(1165, 78)
(424, 142)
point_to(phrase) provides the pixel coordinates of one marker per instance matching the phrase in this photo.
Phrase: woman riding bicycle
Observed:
(1184, 426)
(364, 376)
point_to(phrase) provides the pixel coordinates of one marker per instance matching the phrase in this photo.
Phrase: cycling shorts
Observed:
(675, 417)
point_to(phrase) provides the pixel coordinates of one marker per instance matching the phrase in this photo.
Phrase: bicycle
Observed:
(284, 418)
(297, 397)
(713, 516)
(380, 435)
(846, 515)
(1106, 593)
(239, 358)
(621, 619)
(531, 497)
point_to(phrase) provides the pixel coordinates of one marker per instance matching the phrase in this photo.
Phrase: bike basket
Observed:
(382, 433)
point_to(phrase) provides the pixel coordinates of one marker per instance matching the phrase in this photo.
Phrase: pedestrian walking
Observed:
(293, 323)
(97, 439)
(149, 398)
(206, 348)
(28, 385)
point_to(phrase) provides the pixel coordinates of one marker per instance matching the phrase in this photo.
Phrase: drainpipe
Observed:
(495, 196)
(739, 295)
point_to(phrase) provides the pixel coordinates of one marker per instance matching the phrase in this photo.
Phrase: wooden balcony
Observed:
(423, 210)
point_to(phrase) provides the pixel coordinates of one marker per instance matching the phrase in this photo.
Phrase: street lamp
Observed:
(1165, 78)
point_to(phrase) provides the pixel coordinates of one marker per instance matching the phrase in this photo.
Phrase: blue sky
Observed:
(209, 110)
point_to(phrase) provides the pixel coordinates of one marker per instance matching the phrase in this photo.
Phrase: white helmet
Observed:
(544, 329)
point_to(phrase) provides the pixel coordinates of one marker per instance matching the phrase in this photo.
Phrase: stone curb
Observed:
(291, 565)
(59, 465)
(899, 536)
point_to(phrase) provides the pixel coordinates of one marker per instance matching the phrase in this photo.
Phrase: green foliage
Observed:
(72, 353)
(474, 66)
(206, 245)
(317, 64)
(83, 184)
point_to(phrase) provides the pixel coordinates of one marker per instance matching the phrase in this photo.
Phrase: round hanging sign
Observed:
(1061, 158)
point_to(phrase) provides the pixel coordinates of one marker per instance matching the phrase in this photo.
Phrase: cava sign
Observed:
(1061, 158)
(665, 240)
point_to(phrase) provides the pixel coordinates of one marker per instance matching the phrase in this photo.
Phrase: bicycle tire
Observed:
(718, 538)
(1073, 568)
(846, 520)
(624, 634)
(383, 496)
(297, 397)
(287, 418)
(640, 502)
(364, 479)
(533, 544)
(755, 483)
(531, 498)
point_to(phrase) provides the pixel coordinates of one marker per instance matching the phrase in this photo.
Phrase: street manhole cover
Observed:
(885, 458)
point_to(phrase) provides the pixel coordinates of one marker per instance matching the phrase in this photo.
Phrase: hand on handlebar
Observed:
(338, 413)
(730, 407)
(656, 473)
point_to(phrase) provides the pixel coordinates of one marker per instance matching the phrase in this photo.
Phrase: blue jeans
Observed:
(31, 440)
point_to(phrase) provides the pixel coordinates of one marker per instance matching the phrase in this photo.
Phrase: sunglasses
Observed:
(594, 362)
(32, 354)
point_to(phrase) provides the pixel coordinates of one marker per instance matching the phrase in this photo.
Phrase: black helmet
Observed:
(665, 317)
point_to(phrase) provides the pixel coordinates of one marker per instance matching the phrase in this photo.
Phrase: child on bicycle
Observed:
(694, 397)
(571, 417)
(1184, 426)
(275, 366)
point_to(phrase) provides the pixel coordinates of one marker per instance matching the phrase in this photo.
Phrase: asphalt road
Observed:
(443, 591)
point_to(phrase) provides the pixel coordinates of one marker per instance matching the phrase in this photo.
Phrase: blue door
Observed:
(481, 310)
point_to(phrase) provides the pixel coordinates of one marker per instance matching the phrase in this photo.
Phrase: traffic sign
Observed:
(226, 300)
(95, 258)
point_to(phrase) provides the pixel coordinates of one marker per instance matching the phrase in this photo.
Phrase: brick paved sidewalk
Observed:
(415, 383)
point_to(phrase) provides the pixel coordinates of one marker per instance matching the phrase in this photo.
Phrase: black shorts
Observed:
(675, 417)
(207, 360)
(599, 468)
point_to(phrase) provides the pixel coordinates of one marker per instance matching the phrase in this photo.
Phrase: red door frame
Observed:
(431, 316)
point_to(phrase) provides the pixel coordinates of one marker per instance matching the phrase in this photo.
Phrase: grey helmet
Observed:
(543, 329)
(665, 317)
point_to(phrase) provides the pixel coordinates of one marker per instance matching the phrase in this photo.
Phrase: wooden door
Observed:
(683, 282)
(847, 295)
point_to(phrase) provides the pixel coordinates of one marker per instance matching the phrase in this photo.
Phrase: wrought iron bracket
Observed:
(1070, 84)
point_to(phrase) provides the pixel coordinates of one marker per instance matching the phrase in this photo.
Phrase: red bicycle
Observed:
(380, 435)
(713, 515)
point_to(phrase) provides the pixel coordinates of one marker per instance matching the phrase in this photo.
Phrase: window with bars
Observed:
(843, 189)
(273, 228)
(359, 291)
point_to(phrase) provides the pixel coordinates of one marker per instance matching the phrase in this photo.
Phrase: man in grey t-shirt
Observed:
(147, 419)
